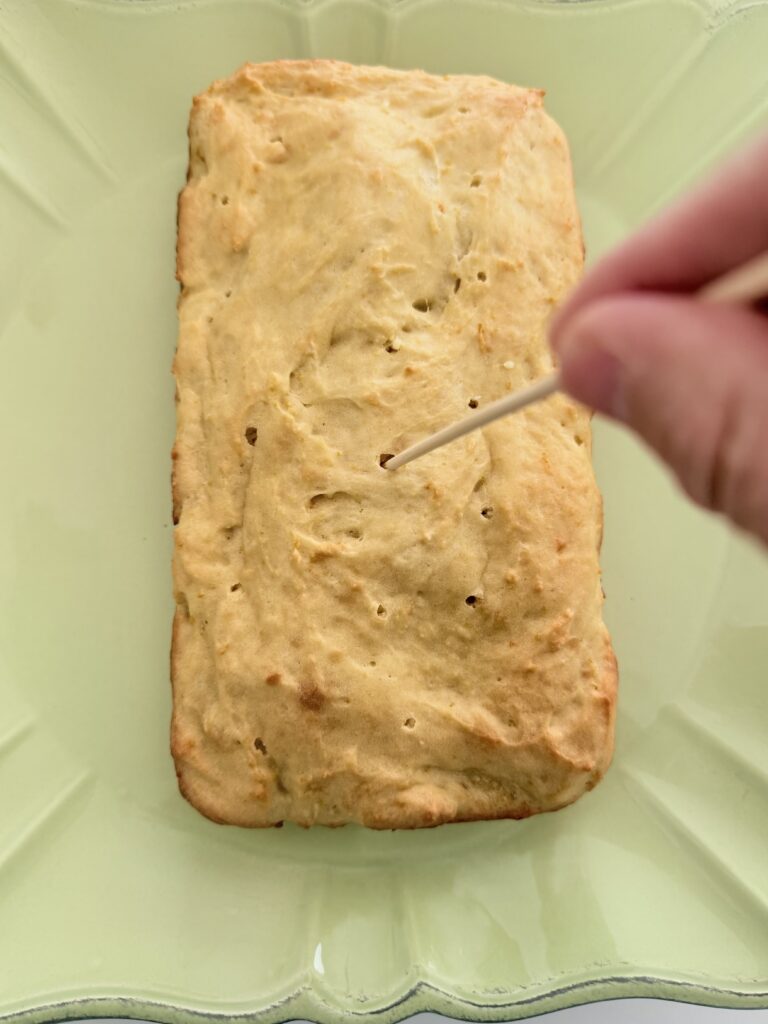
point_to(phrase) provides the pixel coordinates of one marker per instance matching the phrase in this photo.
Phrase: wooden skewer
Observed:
(542, 388)
(745, 284)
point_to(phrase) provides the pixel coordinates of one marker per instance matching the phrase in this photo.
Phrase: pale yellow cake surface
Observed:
(363, 253)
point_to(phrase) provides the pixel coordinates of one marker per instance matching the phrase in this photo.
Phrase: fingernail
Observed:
(594, 375)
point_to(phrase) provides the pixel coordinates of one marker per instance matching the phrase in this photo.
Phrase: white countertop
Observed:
(642, 1011)
(622, 1011)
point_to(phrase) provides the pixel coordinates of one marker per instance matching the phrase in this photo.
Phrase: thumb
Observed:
(692, 379)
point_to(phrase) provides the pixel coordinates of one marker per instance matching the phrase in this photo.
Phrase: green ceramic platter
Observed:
(116, 898)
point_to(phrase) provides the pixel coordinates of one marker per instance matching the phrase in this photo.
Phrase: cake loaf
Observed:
(364, 255)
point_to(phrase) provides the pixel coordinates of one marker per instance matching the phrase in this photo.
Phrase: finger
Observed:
(721, 224)
(692, 379)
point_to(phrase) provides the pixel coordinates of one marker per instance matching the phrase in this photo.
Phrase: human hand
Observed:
(690, 377)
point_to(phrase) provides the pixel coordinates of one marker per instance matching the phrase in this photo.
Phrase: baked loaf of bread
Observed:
(364, 254)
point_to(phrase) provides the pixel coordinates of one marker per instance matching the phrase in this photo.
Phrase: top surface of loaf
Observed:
(363, 253)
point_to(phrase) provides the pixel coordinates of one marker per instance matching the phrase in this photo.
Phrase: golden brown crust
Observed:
(361, 252)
